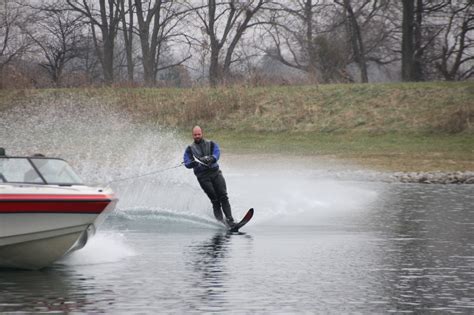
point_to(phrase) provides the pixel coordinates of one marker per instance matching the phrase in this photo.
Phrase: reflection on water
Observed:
(410, 250)
(212, 274)
(49, 290)
(210, 264)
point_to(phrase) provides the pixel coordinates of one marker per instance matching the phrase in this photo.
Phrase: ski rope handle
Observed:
(199, 161)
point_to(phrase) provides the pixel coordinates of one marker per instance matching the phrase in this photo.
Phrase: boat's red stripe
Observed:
(55, 206)
(54, 197)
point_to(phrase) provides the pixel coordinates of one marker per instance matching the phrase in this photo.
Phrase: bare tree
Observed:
(107, 18)
(13, 40)
(224, 24)
(355, 34)
(158, 25)
(304, 37)
(127, 29)
(86, 66)
(457, 44)
(418, 37)
(367, 31)
(59, 40)
(411, 69)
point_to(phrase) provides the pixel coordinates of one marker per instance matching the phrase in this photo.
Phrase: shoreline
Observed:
(442, 178)
(344, 169)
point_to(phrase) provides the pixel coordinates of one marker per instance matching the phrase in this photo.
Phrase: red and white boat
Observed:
(45, 210)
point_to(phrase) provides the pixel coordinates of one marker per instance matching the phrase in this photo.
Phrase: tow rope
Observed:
(144, 175)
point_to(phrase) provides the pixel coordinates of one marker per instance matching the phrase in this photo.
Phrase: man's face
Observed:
(197, 135)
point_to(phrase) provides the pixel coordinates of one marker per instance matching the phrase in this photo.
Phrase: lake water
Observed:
(373, 248)
(316, 244)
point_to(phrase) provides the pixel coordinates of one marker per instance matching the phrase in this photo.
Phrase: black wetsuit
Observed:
(210, 176)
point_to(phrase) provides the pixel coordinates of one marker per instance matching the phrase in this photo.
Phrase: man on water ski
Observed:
(202, 156)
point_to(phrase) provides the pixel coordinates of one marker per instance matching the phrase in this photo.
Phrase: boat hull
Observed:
(40, 251)
(38, 229)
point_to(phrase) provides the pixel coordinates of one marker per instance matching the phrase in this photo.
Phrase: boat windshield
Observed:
(37, 171)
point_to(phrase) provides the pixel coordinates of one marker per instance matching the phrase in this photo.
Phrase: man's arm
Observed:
(216, 152)
(188, 158)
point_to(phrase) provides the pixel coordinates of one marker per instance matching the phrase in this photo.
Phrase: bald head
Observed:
(197, 134)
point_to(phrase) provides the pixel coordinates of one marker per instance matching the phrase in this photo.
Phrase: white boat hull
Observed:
(37, 229)
(42, 250)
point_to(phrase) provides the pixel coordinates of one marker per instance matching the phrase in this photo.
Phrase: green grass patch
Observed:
(393, 152)
(385, 152)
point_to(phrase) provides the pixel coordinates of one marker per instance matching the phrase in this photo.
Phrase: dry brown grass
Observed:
(462, 120)
(326, 108)
(343, 108)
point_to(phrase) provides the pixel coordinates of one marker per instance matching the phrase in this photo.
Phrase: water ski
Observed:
(242, 222)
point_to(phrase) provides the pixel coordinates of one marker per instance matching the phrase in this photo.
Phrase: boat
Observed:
(46, 211)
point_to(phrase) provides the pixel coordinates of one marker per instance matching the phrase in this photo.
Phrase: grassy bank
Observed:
(395, 152)
(422, 126)
(372, 108)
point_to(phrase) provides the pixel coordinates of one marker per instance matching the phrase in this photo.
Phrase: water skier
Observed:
(202, 156)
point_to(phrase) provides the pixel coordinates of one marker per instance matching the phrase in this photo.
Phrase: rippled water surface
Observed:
(411, 248)
(317, 243)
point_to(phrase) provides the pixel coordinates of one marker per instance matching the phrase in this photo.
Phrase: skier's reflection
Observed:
(210, 260)
(213, 271)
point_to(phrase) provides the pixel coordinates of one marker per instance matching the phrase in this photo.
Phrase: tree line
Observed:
(182, 43)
